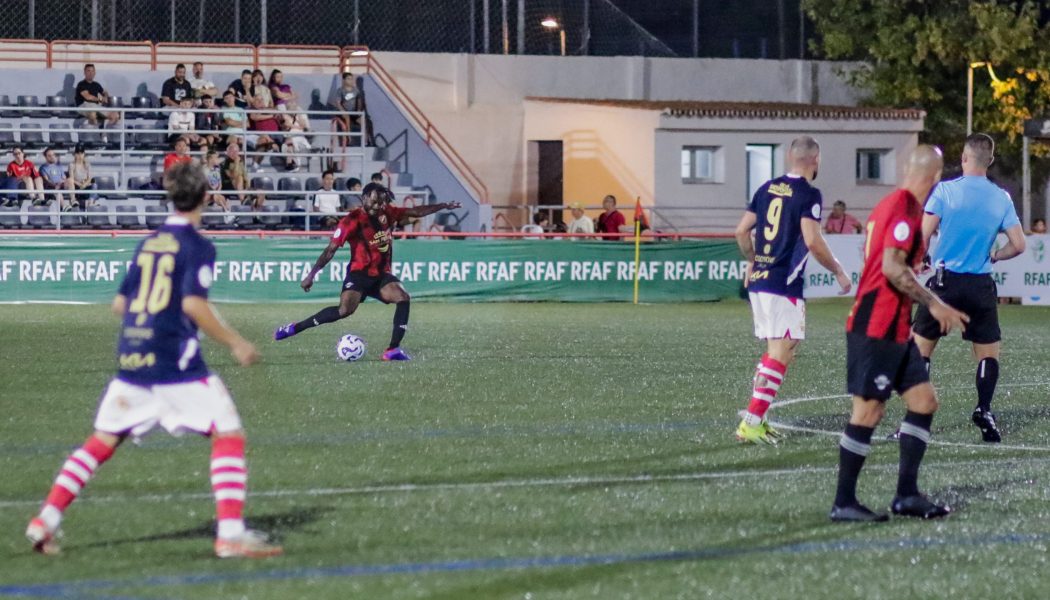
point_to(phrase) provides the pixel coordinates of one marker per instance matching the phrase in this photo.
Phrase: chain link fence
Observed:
(588, 27)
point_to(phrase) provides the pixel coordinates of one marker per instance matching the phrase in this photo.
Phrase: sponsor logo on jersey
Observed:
(781, 189)
(882, 382)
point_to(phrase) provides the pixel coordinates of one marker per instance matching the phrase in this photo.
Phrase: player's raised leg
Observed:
(78, 469)
(394, 293)
(349, 300)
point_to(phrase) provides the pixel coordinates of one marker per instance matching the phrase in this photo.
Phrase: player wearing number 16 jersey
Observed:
(162, 378)
(784, 216)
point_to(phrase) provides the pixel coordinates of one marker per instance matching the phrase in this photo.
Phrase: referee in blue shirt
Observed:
(970, 212)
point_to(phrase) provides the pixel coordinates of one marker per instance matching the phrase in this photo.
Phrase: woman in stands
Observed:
(260, 90)
(80, 176)
(295, 141)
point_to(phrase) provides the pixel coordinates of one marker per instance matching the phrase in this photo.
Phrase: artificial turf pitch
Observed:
(529, 451)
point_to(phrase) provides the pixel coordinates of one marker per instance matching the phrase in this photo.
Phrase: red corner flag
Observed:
(639, 214)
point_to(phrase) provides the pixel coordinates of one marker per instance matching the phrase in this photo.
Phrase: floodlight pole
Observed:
(969, 94)
(521, 27)
(1026, 183)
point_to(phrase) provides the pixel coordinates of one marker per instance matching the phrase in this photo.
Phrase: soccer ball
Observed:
(350, 348)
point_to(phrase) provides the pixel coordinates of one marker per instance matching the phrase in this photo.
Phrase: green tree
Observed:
(916, 54)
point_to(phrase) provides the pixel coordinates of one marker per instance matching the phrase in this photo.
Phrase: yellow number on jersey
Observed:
(867, 240)
(776, 206)
(154, 289)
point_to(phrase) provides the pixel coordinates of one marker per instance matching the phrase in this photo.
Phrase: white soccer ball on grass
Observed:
(350, 348)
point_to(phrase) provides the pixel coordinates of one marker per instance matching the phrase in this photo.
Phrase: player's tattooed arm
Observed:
(326, 257)
(901, 276)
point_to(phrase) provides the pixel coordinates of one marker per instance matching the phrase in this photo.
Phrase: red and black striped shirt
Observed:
(371, 245)
(881, 311)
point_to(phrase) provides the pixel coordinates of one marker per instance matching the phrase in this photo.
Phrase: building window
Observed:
(762, 165)
(873, 166)
(699, 164)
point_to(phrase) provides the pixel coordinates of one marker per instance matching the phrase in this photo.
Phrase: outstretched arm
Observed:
(417, 212)
(326, 257)
(209, 321)
(901, 276)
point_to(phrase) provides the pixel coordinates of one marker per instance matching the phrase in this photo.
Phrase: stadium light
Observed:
(361, 52)
(551, 24)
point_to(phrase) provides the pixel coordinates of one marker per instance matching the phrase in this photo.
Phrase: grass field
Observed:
(529, 451)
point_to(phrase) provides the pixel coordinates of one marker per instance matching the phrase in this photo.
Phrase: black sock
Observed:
(325, 315)
(915, 435)
(853, 449)
(926, 359)
(987, 378)
(400, 324)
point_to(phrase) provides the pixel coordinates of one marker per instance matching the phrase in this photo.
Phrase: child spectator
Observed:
(214, 173)
(327, 200)
(208, 121)
(235, 177)
(180, 154)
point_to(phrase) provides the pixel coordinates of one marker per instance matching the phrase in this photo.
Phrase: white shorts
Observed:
(197, 406)
(778, 317)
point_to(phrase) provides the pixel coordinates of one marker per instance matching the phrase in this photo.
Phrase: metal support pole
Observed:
(1026, 185)
(696, 28)
(801, 33)
(506, 29)
(237, 21)
(32, 19)
(486, 34)
(200, 22)
(357, 22)
(561, 35)
(94, 19)
(969, 100)
(521, 26)
(112, 19)
(171, 15)
(473, 27)
(781, 28)
(585, 48)
(262, 21)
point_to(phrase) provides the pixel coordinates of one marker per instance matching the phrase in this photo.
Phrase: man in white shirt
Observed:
(181, 122)
(581, 223)
(200, 85)
(326, 200)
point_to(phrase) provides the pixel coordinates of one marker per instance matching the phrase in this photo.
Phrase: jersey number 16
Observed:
(154, 283)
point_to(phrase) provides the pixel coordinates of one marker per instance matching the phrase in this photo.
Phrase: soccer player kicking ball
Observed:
(785, 217)
(881, 357)
(162, 379)
(368, 229)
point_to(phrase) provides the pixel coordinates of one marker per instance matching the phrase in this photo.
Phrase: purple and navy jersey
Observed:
(158, 342)
(780, 251)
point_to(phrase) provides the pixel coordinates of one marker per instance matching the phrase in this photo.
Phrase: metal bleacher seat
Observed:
(139, 182)
(98, 217)
(213, 217)
(58, 102)
(39, 217)
(155, 215)
(142, 102)
(92, 140)
(289, 184)
(70, 220)
(149, 140)
(263, 183)
(7, 138)
(128, 216)
(313, 184)
(10, 217)
(273, 221)
(8, 113)
(32, 102)
(340, 184)
(60, 139)
(243, 221)
(32, 136)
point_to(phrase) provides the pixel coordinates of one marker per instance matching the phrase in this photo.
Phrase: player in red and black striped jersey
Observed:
(881, 357)
(368, 229)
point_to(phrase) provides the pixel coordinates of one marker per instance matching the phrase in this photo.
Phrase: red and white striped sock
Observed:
(768, 377)
(78, 469)
(229, 481)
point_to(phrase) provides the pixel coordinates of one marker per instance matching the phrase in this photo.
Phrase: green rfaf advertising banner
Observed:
(89, 268)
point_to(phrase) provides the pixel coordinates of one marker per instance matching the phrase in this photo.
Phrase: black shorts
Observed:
(367, 285)
(877, 368)
(975, 295)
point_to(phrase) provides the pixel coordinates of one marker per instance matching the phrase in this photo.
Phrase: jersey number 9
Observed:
(154, 287)
(776, 206)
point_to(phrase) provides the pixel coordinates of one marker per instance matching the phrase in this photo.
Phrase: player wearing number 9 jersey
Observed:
(784, 218)
(162, 379)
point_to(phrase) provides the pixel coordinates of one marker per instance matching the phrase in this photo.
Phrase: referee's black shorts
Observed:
(973, 294)
(877, 368)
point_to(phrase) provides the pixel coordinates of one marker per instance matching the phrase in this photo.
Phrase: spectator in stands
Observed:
(580, 223)
(180, 153)
(208, 121)
(233, 119)
(327, 200)
(295, 141)
(260, 90)
(241, 89)
(80, 176)
(540, 222)
(25, 174)
(214, 173)
(235, 177)
(283, 96)
(90, 97)
(176, 88)
(353, 185)
(611, 220)
(265, 123)
(346, 98)
(840, 221)
(202, 86)
(376, 178)
(53, 175)
(182, 122)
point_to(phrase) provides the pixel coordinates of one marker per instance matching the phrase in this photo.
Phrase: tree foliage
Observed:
(917, 52)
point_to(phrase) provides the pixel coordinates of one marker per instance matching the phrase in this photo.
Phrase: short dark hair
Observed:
(1043, 221)
(228, 93)
(246, 72)
(175, 142)
(982, 146)
(180, 66)
(92, 65)
(211, 152)
(17, 148)
(840, 203)
(610, 197)
(186, 185)
(540, 217)
(376, 176)
(352, 182)
(198, 63)
(328, 172)
(49, 149)
(347, 74)
(206, 97)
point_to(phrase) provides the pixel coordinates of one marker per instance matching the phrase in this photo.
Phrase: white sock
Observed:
(230, 528)
(51, 516)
